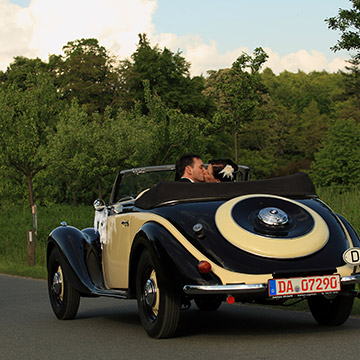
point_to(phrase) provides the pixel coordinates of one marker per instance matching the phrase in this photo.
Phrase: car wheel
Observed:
(208, 302)
(64, 298)
(158, 309)
(331, 309)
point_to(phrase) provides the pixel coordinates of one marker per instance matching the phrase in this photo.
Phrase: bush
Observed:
(338, 161)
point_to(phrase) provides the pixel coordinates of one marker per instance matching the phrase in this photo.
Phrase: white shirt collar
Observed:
(184, 177)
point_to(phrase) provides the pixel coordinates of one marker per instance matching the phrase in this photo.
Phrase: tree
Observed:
(267, 142)
(173, 133)
(338, 161)
(347, 22)
(18, 72)
(297, 90)
(237, 93)
(86, 149)
(67, 154)
(168, 76)
(311, 131)
(28, 109)
(87, 73)
(159, 137)
(352, 80)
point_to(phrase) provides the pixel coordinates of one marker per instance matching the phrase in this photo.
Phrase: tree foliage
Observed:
(168, 76)
(348, 23)
(352, 81)
(29, 106)
(86, 72)
(237, 92)
(66, 158)
(338, 161)
(67, 126)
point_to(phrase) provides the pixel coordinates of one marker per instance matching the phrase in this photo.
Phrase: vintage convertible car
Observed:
(172, 244)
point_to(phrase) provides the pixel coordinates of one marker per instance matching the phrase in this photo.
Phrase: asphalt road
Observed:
(110, 329)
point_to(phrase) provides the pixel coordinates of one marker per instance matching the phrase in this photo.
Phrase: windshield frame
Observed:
(244, 172)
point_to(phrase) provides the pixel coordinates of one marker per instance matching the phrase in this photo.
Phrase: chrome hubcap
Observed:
(57, 284)
(273, 216)
(150, 293)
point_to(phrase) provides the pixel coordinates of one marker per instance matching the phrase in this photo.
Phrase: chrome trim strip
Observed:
(146, 169)
(349, 280)
(224, 289)
(248, 288)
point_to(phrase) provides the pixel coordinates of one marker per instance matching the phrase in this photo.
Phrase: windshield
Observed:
(131, 182)
(134, 184)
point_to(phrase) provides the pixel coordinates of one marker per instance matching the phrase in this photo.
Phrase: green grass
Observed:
(15, 221)
(36, 272)
(343, 201)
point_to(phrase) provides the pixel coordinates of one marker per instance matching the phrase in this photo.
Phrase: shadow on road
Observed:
(229, 320)
(238, 320)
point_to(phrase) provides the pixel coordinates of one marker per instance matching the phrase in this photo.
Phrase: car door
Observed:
(116, 249)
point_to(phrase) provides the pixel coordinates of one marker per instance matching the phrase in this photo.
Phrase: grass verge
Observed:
(18, 220)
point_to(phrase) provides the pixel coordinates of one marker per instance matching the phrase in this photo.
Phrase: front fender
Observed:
(175, 266)
(71, 243)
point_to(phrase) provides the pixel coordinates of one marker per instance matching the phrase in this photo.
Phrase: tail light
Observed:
(204, 267)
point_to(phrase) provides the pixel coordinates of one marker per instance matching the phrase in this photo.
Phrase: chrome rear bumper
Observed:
(247, 288)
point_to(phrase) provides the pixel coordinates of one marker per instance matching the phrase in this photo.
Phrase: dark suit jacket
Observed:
(185, 180)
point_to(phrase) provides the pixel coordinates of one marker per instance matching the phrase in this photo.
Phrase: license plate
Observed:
(304, 285)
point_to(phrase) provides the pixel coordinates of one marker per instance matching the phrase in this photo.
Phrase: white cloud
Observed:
(15, 31)
(204, 57)
(115, 23)
(337, 64)
(302, 60)
(46, 26)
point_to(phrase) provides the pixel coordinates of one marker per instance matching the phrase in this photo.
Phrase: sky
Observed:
(210, 34)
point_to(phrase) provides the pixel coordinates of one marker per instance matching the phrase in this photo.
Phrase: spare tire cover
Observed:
(271, 226)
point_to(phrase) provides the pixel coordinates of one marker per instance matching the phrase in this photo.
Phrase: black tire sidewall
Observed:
(157, 326)
(332, 312)
(67, 308)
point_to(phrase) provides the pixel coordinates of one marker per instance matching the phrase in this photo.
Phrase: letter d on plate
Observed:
(352, 256)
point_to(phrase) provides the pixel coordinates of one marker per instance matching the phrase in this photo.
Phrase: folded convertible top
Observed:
(294, 186)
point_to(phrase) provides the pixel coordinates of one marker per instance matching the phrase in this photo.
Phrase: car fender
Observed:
(71, 243)
(352, 233)
(174, 264)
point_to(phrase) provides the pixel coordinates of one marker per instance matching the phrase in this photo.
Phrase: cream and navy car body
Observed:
(175, 243)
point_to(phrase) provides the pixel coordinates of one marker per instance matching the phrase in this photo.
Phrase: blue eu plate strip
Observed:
(272, 287)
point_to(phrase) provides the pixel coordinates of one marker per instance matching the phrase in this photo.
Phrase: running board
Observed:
(119, 294)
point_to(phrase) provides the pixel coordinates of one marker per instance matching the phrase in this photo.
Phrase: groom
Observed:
(190, 168)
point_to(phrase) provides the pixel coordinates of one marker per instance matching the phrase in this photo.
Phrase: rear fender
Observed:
(353, 235)
(175, 266)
